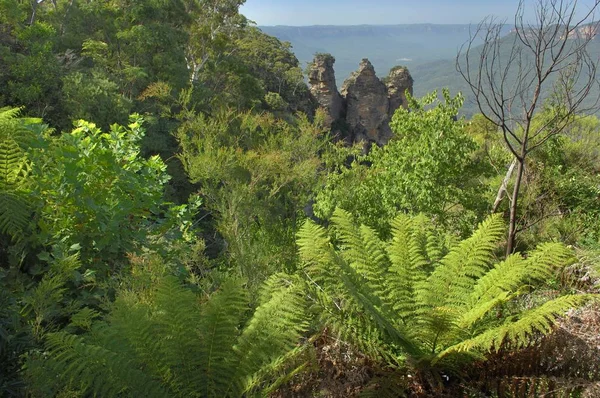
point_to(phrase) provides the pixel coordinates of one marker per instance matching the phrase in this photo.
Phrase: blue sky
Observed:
(356, 12)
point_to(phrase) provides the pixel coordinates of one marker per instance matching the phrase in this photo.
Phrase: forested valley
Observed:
(181, 217)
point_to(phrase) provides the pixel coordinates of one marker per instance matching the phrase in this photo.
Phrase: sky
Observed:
(357, 12)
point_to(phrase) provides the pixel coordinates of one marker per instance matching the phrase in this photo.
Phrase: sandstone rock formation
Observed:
(322, 86)
(366, 103)
(398, 81)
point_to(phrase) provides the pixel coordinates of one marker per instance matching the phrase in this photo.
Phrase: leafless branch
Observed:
(542, 64)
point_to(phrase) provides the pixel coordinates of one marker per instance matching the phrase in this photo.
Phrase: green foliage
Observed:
(98, 192)
(83, 215)
(429, 167)
(15, 138)
(32, 70)
(326, 57)
(490, 145)
(276, 67)
(275, 102)
(101, 61)
(94, 97)
(417, 301)
(30, 309)
(172, 342)
(70, 60)
(256, 175)
(14, 339)
(80, 204)
(131, 44)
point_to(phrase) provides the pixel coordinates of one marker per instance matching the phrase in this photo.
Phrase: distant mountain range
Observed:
(428, 50)
(385, 45)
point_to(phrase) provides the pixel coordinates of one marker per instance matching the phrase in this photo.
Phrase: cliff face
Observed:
(322, 86)
(366, 103)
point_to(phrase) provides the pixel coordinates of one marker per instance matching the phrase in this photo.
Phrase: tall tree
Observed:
(513, 77)
(214, 24)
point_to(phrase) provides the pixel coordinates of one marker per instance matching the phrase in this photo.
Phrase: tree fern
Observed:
(517, 333)
(364, 252)
(274, 329)
(98, 370)
(458, 271)
(543, 262)
(176, 343)
(15, 137)
(432, 305)
(409, 262)
(221, 317)
(507, 275)
(331, 274)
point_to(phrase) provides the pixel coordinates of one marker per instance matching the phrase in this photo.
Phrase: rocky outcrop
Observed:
(366, 103)
(322, 86)
(397, 83)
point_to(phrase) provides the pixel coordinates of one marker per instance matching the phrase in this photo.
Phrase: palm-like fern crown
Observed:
(177, 344)
(412, 296)
(15, 137)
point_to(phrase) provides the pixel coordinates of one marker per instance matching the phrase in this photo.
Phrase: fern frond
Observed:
(14, 168)
(84, 318)
(332, 278)
(168, 343)
(263, 342)
(96, 370)
(365, 253)
(132, 321)
(9, 113)
(506, 276)
(318, 265)
(15, 213)
(219, 329)
(178, 313)
(452, 281)
(428, 241)
(408, 265)
(546, 259)
(15, 138)
(313, 244)
(519, 333)
(408, 234)
(370, 304)
(481, 309)
(509, 276)
(377, 263)
(346, 231)
(396, 300)
(436, 245)
(358, 243)
(284, 368)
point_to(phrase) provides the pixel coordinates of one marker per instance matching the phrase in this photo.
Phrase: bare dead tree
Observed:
(540, 62)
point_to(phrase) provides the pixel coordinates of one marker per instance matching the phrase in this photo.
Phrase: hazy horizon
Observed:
(366, 24)
(381, 12)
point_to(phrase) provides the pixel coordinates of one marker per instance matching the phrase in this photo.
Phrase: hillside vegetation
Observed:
(178, 218)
